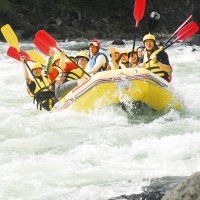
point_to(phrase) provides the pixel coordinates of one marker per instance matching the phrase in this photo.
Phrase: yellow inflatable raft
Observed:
(120, 86)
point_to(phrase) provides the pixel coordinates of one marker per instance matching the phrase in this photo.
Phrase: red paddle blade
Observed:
(182, 25)
(187, 31)
(139, 9)
(26, 56)
(41, 46)
(46, 39)
(13, 53)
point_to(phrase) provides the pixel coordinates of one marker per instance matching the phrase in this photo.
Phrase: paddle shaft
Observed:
(134, 39)
(178, 29)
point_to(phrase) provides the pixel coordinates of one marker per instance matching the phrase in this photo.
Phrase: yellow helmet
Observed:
(130, 50)
(116, 50)
(36, 65)
(149, 37)
(56, 57)
(123, 51)
(82, 54)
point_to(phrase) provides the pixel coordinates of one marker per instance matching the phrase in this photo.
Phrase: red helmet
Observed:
(94, 42)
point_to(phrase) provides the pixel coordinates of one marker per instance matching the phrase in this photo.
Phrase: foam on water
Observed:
(69, 155)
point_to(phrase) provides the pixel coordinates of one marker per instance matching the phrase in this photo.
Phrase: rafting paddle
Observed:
(47, 39)
(182, 25)
(13, 53)
(36, 57)
(41, 46)
(186, 32)
(12, 39)
(138, 14)
(183, 34)
(10, 36)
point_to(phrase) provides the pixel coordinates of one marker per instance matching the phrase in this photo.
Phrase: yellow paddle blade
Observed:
(36, 57)
(10, 36)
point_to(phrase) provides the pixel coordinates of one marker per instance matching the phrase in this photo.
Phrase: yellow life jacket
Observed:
(71, 75)
(44, 83)
(153, 66)
(74, 74)
(44, 98)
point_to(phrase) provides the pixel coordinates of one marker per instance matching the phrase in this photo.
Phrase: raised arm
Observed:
(62, 64)
(50, 60)
(113, 59)
(26, 74)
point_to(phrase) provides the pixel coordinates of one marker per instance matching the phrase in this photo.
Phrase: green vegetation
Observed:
(86, 18)
(5, 6)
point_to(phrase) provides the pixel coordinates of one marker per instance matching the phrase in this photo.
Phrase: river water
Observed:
(96, 156)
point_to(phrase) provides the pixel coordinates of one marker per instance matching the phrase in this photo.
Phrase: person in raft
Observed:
(98, 60)
(82, 59)
(133, 59)
(54, 71)
(115, 57)
(159, 63)
(140, 51)
(69, 78)
(124, 61)
(39, 88)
